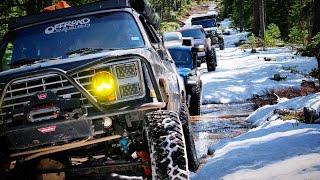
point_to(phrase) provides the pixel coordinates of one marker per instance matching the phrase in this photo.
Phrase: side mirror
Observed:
(188, 41)
(172, 39)
(218, 24)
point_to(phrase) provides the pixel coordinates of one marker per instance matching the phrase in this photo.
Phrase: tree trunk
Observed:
(262, 19)
(316, 18)
(315, 31)
(240, 2)
(256, 18)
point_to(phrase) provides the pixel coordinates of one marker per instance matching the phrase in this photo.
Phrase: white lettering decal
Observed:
(68, 25)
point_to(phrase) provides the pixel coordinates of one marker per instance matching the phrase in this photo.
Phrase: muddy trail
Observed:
(219, 121)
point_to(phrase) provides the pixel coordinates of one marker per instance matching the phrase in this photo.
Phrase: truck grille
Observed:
(19, 91)
(129, 81)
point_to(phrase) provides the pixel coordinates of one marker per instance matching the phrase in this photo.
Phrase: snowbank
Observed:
(265, 113)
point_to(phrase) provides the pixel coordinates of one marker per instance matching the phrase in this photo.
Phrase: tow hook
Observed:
(145, 159)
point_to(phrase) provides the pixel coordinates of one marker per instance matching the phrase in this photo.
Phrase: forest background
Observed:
(294, 22)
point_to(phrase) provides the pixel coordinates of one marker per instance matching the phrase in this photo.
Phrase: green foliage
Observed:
(273, 35)
(185, 10)
(242, 13)
(315, 48)
(168, 27)
(315, 42)
(226, 7)
(252, 40)
(296, 36)
(243, 46)
(314, 72)
(7, 57)
(285, 14)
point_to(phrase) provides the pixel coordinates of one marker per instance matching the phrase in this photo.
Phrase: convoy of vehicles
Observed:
(90, 90)
(202, 42)
(210, 25)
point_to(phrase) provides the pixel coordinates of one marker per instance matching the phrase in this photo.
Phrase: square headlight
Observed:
(129, 90)
(126, 70)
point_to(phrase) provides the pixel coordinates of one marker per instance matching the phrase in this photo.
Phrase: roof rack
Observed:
(141, 6)
(203, 17)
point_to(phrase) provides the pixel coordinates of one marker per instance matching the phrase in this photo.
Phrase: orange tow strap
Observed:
(58, 5)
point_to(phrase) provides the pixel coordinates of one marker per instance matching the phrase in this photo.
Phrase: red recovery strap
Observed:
(58, 5)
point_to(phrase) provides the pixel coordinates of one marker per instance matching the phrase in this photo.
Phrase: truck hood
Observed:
(211, 28)
(183, 71)
(70, 63)
(200, 42)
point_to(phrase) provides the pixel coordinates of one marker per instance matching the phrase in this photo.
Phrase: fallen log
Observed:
(198, 118)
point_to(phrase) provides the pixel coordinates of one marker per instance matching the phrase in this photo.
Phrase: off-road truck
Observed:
(202, 42)
(210, 25)
(90, 90)
(185, 58)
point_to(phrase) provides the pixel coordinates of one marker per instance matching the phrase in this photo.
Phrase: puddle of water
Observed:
(209, 131)
(226, 109)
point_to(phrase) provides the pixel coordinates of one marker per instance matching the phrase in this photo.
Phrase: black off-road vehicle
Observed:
(210, 25)
(202, 42)
(90, 90)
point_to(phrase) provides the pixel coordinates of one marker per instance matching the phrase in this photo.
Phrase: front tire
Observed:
(193, 162)
(195, 99)
(167, 146)
(221, 45)
(211, 60)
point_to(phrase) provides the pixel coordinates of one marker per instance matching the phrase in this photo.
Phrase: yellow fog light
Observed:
(104, 85)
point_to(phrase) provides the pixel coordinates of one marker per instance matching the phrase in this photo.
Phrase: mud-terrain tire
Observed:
(211, 60)
(214, 55)
(167, 146)
(211, 68)
(221, 45)
(195, 100)
(193, 162)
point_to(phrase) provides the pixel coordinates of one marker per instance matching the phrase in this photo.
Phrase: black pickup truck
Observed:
(90, 90)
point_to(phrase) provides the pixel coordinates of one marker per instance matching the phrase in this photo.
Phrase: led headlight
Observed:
(126, 70)
(104, 85)
(200, 48)
(129, 90)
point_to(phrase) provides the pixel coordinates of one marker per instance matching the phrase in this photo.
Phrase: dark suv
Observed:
(210, 25)
(90, 90)
(202, 42)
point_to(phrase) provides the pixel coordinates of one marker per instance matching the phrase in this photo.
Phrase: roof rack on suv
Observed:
(142, 6)
(203, 17)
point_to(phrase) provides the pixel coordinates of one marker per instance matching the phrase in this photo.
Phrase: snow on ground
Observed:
(275, 149)
(241, 74)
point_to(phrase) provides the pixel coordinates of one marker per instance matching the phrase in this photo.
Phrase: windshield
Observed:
(117, 30)
(181, 57)
(195, 33)
(205, 23)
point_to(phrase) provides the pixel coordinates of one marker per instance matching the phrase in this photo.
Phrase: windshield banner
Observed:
(68, 25)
